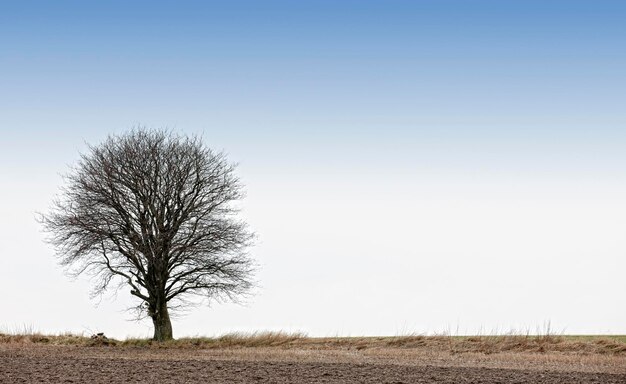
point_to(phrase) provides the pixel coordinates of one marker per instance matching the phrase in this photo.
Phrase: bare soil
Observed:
(36, 363)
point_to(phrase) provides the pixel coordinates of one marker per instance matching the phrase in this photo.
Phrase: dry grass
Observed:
(37, 338)
(231, 340)
(487, 345)
(614, 345)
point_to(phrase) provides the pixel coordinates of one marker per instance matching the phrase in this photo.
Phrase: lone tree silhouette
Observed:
(156, 211)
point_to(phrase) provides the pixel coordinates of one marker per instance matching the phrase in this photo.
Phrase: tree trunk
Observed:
(162, 324)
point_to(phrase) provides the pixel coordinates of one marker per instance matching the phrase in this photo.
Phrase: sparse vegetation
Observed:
(605, 345)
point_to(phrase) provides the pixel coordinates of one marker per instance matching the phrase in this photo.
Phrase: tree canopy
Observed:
(156, 212)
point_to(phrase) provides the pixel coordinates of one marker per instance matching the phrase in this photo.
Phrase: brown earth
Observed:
(36, 363)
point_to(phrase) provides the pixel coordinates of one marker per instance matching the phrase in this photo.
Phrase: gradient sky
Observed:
(411, 166)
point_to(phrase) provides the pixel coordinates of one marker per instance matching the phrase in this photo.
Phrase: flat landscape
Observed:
(278, 358)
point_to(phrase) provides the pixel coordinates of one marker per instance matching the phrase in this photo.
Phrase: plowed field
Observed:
(74, 364)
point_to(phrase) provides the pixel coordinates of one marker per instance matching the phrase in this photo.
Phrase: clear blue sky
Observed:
(482, 136)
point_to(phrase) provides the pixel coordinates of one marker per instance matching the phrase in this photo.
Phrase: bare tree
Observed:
(155, 211)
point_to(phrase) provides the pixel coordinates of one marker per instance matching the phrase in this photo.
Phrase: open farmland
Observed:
(278, 358)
